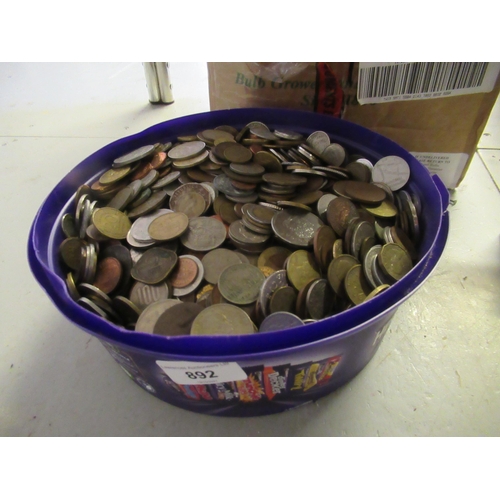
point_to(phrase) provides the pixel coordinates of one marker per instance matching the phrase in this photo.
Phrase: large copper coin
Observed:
(154, 265)
(108, 274)
(339, 213)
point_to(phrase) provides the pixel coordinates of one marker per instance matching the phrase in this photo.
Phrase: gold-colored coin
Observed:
(394, 261)
(301, 268)
(267, 270)
(111, 223)
(376, 291)
(385, 210)
(168, 226)
(114, 175)
(337, 271)
(274, 258)
(222, 319)
(356, 285)
(70, 251)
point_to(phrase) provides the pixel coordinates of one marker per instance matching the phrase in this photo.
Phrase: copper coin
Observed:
(184, 273)
(108, 274)
(323, 241)
(364, 192)
(339, 213)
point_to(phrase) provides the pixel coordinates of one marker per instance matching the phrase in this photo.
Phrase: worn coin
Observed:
(154, 265)
(334, 154)
(376, 291)
(391, 170)
(394, 261)
(268, 161)
(126, 310)
(275, 280)
(149, 316)
(168, 226)
(339, 213)
(139, 229)
(356, 285)
(318, 141)
(177, 320)
(215, 261)
(70, 251)
(337, 271)
(240, 283)
(274, 257)
(364, 192)
(280, 321)
(154, 202)
(362, 230)
(191, 203)
(222, 319)
(184, 273)
(186, 150)
(184, 291)
(301, 268)
(283, 299)
(108, 274)
(143, 295)
(320, 299)
(111, 223)
(191, 162)
(237, 153)
(204, 234)
(133, 156)
(295, 226)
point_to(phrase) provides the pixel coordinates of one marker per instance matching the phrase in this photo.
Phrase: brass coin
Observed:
(204, 234)
(283, 299)
(184, 273)
(394, 261)
(222, 319)
(114, 175)
(111, 223)
(186, 150)
(143, 295)
(70, 251)
(376, 291)
(240, 284)
(338, 248)
(236, 153)
(356, 285)
(72, 290)
(215, 261)
(337, 271)
(168, 226)
(154, 265)
(323, 241)
(68, 226)
(301, 268)
(149, 316)
(402, 239)
(320, 299)
(108, 274)
(293, 204)
(268, 161)
(274, 257)
(190, 203)
(339, 213)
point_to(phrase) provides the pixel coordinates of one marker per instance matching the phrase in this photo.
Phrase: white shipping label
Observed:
(192, 373)
(448, 166)
(402, 81)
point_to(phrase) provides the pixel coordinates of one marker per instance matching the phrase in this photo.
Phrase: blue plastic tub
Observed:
(252, 374)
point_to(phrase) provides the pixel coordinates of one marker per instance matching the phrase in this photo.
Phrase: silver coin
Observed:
(239, 233)
(133, 156)
(165, 181)
(182, 292)
(370, 257)
(318, 141)
(204, 234)
(280, 321)
(362, 230)
(289, 135)
(334, 154)
(320, 299)
(322, 205)
(391, 170)
(296, 227)
(143, 295)
(150, 178)
(223, 184)
(149, 316)
(274, 281)
(211, 190)
(411, 211)
(186, 150)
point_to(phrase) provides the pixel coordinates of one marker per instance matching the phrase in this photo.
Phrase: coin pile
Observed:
(233, 232)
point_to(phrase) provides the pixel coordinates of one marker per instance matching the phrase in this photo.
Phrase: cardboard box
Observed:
(437, 111)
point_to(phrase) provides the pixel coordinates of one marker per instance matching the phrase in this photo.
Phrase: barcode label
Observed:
(385, 82)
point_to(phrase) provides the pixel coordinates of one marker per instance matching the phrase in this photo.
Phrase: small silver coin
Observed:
(280, 321)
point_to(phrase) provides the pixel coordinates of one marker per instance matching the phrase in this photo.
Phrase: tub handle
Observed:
(443, 191)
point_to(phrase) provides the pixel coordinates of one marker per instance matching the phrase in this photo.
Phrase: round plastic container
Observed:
(255, 374)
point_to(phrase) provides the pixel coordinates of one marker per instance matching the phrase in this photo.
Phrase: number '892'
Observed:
(201, 375)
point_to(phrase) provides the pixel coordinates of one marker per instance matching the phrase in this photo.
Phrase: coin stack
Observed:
(231, 232)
